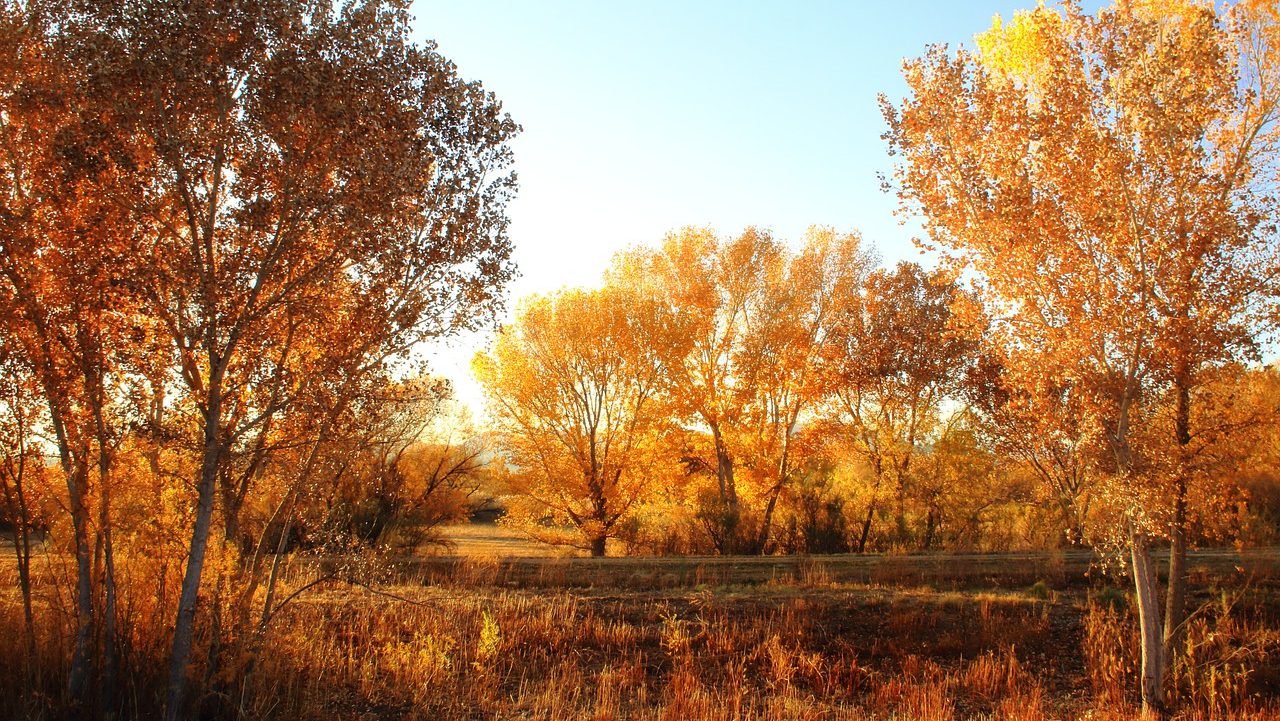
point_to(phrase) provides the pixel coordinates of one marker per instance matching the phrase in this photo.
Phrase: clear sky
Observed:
(643, 117)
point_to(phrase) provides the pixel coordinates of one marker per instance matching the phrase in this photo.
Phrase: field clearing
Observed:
(762, 639)
(491, 540)
(494, 555)
(973, 637)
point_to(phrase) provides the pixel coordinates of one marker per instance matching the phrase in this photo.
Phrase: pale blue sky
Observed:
(640, 118)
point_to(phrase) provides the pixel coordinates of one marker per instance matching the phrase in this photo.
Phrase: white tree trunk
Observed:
(1149, 625)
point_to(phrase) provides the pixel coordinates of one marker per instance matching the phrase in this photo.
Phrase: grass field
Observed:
(490, 540)
(765, 639)
(1022, 637)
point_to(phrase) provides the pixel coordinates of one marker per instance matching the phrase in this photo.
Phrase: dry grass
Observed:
(490, 540)
(803, 646)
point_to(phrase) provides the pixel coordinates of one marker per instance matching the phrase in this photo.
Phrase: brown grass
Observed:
(804, 646)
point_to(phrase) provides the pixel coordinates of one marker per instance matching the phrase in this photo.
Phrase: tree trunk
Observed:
(866, 527)
(728, 493)
(76, 474)
(111, 651)
(78, 679)
(15, 497)
(900, 517)
(1175, 602)
(878, 470)
(22, 552)
(762, 538)
(184, 627)
(784, 470)
(929, 528)
(598, 546)
(1152, 643)
(110, 655)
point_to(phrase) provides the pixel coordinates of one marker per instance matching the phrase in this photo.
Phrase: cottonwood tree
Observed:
(572, 385)
(283, 150)
(1108, 181)
(22, 470)
(411, 461)
(961, 486)
(1254, 459)
(1043, 427)
(892, 362)
(68, 303)
(794, 328)
(709, 291)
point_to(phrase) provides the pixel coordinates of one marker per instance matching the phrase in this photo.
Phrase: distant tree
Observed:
(417, 463)
(1254, 456)
(1044, 428)
(710, 293)
(22, 470)
(572, 387)
(893, 362)
(1109, 183)
(793, 328)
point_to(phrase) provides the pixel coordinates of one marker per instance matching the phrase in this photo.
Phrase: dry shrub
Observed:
(779, 661)
(813, 572)
(1024, 704)
(991, 675)
(1111, 653)
(477, 571)
(929, 701)
(1221, 652)
(920, 690)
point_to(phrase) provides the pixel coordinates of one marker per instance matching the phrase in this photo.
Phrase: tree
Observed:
(892, 363)
(709, 292)
(268, 156)
(1042, 427)
(572, 386)
(68, 304)
(21, 472)
(1108, 181)
(416, 462)
(961, 487)
(794, 327)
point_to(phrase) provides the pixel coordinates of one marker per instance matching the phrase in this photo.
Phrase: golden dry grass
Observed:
(804, 646)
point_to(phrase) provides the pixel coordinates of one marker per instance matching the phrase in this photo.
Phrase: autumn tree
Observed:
(709, 292)
(66, 301)
(893, 361)
(22, 471)
(297, 195)
(963, 488)
(1254, 459)
(1108, 182)
(1044, 428)
(794, 327)
(572, 386)
(412, 462)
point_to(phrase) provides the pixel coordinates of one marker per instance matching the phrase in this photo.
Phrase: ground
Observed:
(1025, 637)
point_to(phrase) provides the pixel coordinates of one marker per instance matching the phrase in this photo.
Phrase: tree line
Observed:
(817, 403)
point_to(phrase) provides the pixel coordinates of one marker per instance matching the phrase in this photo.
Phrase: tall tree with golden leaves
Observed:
(67, 303)
(892, 362)
(711, 292)
(280, 153)
(794, 328)
(1109, 182)
(572, 386)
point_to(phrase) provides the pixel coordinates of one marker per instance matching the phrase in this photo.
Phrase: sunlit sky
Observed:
(642, 117)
